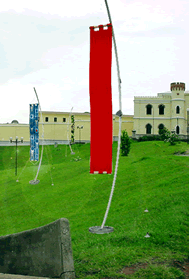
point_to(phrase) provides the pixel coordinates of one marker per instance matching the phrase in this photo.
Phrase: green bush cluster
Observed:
(72, 128)
(167, 136)
(149, 138)
(125, 143)
(164, 135)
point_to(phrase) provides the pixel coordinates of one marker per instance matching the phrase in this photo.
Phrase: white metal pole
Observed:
(119, 113)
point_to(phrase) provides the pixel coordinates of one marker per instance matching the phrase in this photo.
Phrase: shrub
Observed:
(173, 139)
(149, 138)
(72, 128)
(164, 133)
(125, 143)
(167, 136)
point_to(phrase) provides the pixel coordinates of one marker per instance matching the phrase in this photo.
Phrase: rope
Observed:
(115, 176)
(118, 113)
(23, 169)
(50, 162)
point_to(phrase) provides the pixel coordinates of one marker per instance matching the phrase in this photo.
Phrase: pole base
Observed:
(98, 230)
(33, 182)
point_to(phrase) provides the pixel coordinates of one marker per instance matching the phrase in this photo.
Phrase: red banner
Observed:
(100, 99)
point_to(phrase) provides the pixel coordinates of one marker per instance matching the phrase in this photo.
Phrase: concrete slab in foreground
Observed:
(41, 252)
(10, 276)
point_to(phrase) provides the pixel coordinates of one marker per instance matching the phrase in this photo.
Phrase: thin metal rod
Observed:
(116, 54)
(119, 136)
(16, 159)
(42, 135)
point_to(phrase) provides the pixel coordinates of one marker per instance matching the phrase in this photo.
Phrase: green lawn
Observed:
(151, 177)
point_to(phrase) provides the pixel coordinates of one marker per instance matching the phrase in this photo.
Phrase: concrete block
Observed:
(44, 252)
(10, 276)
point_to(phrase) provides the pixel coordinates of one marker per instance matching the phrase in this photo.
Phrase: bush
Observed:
(173, 139)
(167, 136)
(149, 138)
(72, 128)
(164, 133)
(125, 143)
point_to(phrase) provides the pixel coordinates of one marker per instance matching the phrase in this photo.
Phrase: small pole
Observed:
(79, 127)
(16, 160)
(16, 157)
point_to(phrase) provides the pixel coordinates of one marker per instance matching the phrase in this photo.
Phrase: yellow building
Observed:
(57, 128)
(167, 109)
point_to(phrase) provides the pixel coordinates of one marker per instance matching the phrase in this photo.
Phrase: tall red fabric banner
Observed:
(101, 99)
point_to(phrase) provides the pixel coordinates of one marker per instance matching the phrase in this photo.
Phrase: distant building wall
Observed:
(58, 128)
(149, 114)
(57, 125)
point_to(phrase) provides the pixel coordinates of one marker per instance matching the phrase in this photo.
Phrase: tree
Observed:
(164, 134)
(173, 139)
(167, 136)
(125, 143)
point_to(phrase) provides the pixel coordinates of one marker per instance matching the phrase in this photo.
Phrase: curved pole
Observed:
(42, 135)
(119, 113)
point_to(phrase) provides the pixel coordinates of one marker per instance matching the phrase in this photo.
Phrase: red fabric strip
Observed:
(101, 138)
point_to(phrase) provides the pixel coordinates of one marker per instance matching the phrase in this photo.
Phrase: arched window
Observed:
(160, 127)
(177, 130)
(177, 109)
(148, 128)
(161, 109)
(149, 109)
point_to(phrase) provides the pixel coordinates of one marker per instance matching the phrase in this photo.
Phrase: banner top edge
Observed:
(100, 26)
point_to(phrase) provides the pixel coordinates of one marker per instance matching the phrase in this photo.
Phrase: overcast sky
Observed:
(46, 45)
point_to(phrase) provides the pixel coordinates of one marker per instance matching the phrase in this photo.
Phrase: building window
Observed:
(161, 126)
(177, 109)
(148, 128)
(55, 119)
(177, 130)
(161, 109)
(64, 119)
(149, 109)
(46, 119)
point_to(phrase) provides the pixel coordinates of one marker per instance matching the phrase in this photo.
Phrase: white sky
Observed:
(46, 44)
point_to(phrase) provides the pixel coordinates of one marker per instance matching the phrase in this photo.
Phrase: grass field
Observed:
(151, 177)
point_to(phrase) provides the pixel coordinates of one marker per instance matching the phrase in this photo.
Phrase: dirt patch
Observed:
(183, 266)
(184, 153)
(133, 268)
